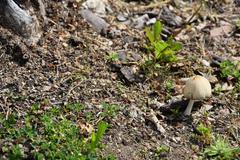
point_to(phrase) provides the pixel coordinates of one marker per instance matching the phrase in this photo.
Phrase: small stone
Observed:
(151, 21)
(205, 62)
(136, 57)
(176, 139)
(224, 111)
(140, 21)
(122, 56)
(98, 23)
(121, 18)
(47, 88)
(207, 107)
(133, 114)
(128, 73)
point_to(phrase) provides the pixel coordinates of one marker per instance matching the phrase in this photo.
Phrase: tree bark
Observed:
(19, 20)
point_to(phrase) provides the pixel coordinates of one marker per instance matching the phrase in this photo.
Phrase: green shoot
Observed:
(112, 57)
(205, 133)
(162, 51)
(97, 137)
(161, 150)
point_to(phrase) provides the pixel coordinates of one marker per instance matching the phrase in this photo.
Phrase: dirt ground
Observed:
(69, 65)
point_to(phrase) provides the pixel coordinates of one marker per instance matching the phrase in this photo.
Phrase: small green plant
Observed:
(161, 150)
(175, 112)
(74, 107)
(49, 134)
(231, 69)
(162, 51)
(89, 116)
(221, 150)
(97, 137)
(169, 84)
(112, 57)
(169, 87)
(109, 110)
(204, 133)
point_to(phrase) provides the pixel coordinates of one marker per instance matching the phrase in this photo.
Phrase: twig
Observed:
(189, 21)
(194, 14)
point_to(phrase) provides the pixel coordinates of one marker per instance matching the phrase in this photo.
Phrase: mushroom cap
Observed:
(197, 88)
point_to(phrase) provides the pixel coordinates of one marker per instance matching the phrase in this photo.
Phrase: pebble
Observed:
(205, 62)
(151, 21)
(121, 18)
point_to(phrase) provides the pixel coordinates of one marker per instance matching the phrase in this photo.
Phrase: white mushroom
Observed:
(196, 88)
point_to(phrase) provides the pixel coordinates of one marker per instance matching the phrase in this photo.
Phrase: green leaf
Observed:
(157, 30)
(75, 107)
(17, 152)
(159, 48)
(220, 149)
(228, 68)
(175, 46)
(112, 57)
(168, 56)
(38, 156)
(96, 137)
(157, 66)
(102, 127)
(150, 35)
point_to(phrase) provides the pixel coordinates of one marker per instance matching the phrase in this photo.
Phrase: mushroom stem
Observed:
(189, 107)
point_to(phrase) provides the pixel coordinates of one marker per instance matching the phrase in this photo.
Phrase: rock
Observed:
(151, 21)
(98, 23)
(205, 62)
(99, 6)
(113, 33)
(121, 18)
(171, 18)
(140, 21)
(47, 88)
(122, 56)
(129, 73)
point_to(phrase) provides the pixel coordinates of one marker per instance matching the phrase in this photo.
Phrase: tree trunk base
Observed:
(20, 21)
